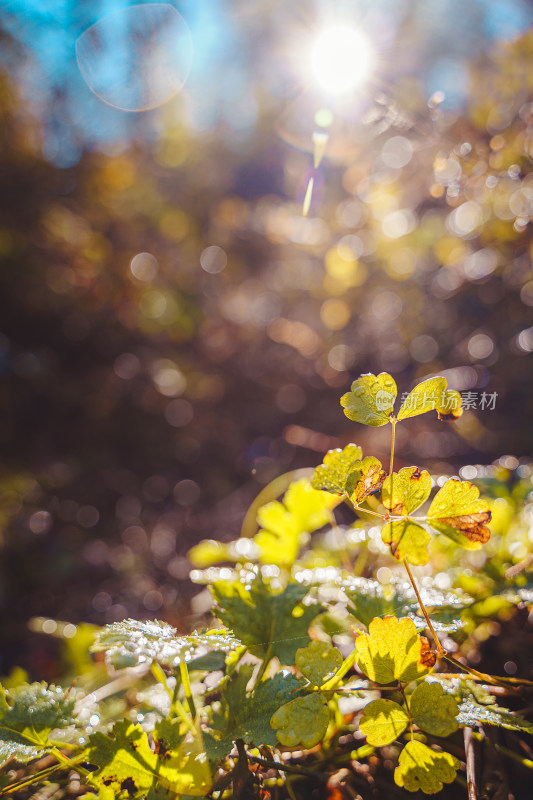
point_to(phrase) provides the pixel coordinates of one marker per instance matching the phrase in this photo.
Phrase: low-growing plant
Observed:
(314, 678)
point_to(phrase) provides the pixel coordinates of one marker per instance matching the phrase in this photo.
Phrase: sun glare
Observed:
(341, 59)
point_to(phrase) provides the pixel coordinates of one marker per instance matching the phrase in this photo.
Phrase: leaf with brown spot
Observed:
(366, 479)
(427, 656)
(407, 539)
(405, 491)
(450, 406)
(458, 513)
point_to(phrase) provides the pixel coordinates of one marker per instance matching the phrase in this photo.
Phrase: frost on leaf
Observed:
(126, 762)
(420, 767)
(408, 540)
(371, 599)
(304, 509)
(371, 399)
(433, 710)
(382, 722)
(427, 396)
(392, 651)
(406, 490)
(247, 716)
(130, 643)
(476, 705)
(457, 511)
(28, 714)
(332, 474)
(267, 622)
(302, 721)
(318, 662)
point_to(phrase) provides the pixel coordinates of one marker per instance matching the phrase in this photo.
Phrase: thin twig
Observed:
(470, 763)
(440, 650)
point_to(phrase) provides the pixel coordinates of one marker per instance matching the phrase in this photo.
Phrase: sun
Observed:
(340, 59)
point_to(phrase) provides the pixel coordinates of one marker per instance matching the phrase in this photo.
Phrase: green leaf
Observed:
(406, 490)
(365, 480)
(433, 710)
(333, 473)
(391, 651)
(458, 512)
(28, 714)
(247, 716)
(302, 721)
(269, 623)
(369, 599)
(304, 510)
(477, 705)
(371, 399)
(420, 767)
(130, 642)
(408, 540)
(127, 763)
(318, 662)
(382, 722)
(427, 396)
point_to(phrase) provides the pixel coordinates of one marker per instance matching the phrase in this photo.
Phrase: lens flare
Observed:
(341, 59)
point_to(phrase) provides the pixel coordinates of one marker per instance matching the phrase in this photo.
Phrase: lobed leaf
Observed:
(427, 396)
(476, 705)
(333, 473)
(28, 714)
(302, 721)
(433, 710)
(382, 722)
(131, 642)
(318, 662)
(392, 651)
(371, 399)
(247, 716)
(126, 762)
(407, 540)
(420, 767)
(304, 510)
(269, 623)
(457, 512)
(405, 491)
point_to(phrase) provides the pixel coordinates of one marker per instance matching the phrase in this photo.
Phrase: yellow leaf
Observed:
(427, 396)
(407, 540)
(371, 399)
(382, 722)
(458, 512)
(405, 491)
(390, 651)
(420, 767)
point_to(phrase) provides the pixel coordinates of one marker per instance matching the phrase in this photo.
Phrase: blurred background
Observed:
(215, 215)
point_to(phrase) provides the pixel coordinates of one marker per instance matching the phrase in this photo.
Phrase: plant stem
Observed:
(393, 440)
(494, 680)
(176, 705)
(37, 776)
(184, 672)
(470, 763)
(346, 665)
(525, 762)
(440, 650)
